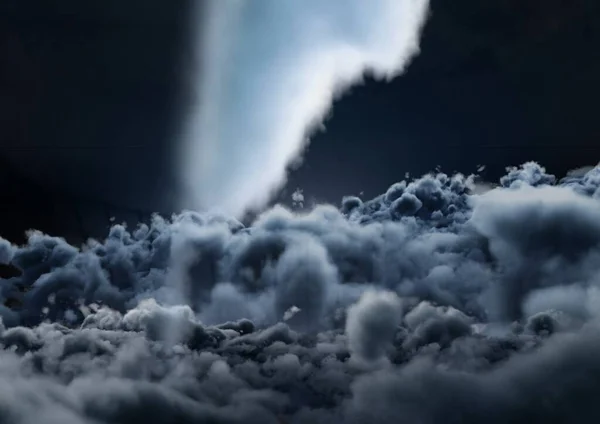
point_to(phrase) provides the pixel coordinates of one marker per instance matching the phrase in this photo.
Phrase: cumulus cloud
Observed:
(475, 307)
(298, 198)
(371, 324)
(270, 72)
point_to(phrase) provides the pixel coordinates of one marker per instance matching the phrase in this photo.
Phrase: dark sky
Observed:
(497, 83)
(91, 92)
(90, 95)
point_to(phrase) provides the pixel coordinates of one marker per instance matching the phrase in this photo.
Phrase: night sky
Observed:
(93, 90)
(497, 83)
(92, 94)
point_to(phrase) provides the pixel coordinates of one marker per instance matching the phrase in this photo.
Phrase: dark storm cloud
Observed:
(469, 308)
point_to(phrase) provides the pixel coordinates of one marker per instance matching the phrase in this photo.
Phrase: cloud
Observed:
(475, 307)
(371, 324)
(298, 198)
(270, 73)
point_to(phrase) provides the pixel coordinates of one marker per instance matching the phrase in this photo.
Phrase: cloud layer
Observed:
(426, 304)
(270, 72)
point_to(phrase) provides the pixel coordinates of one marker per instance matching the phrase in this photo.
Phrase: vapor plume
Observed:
(270, 71)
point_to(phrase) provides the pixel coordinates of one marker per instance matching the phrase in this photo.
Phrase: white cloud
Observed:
(271, 71)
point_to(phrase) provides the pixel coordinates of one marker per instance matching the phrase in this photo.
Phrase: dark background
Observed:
(90, 95)
(497, 83)
(90, 92)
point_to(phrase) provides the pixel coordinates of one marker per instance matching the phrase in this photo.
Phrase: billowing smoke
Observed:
(427, 304)
(270, 70)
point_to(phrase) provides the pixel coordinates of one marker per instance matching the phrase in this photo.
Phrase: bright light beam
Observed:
(270, 72)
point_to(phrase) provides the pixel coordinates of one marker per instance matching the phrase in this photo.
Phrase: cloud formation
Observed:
(467, 308)
(270, 72)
